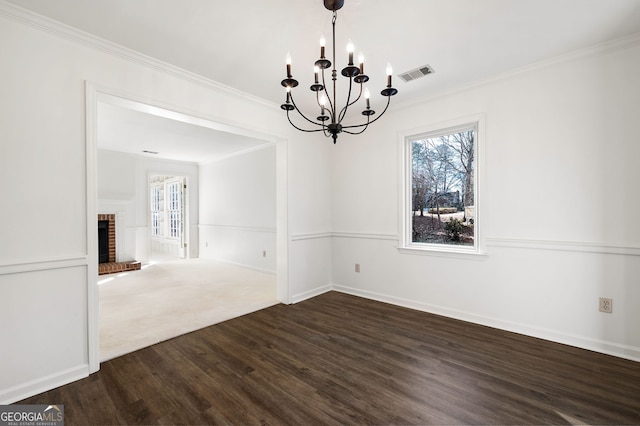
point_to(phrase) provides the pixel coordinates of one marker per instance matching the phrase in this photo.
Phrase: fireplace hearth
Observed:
(107, 248)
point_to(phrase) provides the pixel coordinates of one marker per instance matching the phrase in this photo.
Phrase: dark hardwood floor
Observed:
(340, 359)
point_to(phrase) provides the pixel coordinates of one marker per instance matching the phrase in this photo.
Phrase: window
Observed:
(174, 209)
(155, 211)
(440, 189)
(166, 207)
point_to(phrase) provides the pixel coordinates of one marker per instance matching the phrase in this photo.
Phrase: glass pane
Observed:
(442, 189)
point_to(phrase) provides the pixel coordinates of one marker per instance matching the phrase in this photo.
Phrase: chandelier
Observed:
(330, 119)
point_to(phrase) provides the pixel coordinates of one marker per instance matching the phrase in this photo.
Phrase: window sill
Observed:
(453, 253)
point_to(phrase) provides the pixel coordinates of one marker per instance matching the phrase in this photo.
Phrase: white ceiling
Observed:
(137, 129)
(243, 43)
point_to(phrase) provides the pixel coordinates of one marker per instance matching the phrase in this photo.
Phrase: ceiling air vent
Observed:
(417, 73)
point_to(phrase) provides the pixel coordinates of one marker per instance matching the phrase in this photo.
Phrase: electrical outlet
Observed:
(357, 267)
(606, 305)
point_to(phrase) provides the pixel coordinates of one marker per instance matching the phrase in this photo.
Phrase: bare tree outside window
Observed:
(442, 188)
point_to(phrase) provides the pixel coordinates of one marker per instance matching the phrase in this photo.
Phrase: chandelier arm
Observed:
(303, 130)
(361, 125)
(302, 115)
(357, 133)
(343, 111)
(359, 95)
(369, 122)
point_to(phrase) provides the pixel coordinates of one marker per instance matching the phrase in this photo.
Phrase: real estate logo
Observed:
(32, 415)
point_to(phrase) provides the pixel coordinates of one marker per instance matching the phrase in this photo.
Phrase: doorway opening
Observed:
(110, 118)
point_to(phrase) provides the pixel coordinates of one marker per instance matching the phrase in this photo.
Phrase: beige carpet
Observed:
(165, 300)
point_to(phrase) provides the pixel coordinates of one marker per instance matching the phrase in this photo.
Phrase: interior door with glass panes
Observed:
(169, 205)
(176, 189)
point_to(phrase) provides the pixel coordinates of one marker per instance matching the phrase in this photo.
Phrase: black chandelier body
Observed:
(330, 119)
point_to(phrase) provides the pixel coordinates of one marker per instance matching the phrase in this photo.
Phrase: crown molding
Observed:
(604, 47)
(58, 29)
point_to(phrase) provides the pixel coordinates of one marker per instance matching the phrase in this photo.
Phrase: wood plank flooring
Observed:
(340, 359)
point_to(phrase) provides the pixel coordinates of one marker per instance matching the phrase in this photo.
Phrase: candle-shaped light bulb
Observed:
(288, 94)
(323, 43)
(361, 62)
(316, 70)
(323, 102)
(367, 95)
(389, 73)
(288, 65)
(350, 51)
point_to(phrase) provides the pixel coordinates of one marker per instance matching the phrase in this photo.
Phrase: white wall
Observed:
(568, 125)
(309, 215)
(559, 202)
(123, 189)
(238, 210)
(44, 133)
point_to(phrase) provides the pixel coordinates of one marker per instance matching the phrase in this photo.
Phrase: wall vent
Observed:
(416, 73)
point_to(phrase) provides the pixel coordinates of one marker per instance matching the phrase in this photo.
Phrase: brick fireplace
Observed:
(107, 248)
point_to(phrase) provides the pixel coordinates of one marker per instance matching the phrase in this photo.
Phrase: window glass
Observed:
(442, 188)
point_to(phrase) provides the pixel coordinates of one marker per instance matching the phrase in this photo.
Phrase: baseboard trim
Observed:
(609, 348)
(34, 387)
(311, 293)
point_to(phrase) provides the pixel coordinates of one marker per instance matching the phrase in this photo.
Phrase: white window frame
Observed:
(167, 216)
(156, 211)
(174, 208)
(407, 245)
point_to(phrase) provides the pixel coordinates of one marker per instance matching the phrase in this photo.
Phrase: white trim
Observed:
(239, 153)
(297, 298)
(43, 384)
(64, 31)
(283, 185)
(444, 251)
(574, 246)
(300, 237)
(597, 345)
(43, 264)
(93, 296)
(239, 228)
(98, 93)
(478, 121)
(368, 236)
(181, 114)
